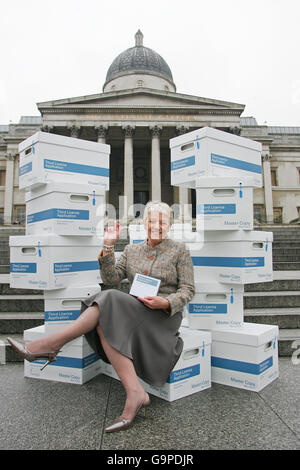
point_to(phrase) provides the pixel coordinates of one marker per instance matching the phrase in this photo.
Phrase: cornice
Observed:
(139, 110)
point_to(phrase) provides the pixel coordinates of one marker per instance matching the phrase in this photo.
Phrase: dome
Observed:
(139, 60)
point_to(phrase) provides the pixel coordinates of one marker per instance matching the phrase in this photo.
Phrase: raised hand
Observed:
(112, 234)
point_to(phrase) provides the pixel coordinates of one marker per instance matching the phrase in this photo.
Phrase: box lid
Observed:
(195, 336)
(217, 287)
(79, 292)
(250, 334)
(78, 189)
(55, 240)
(237, 235)
(56, 139)
(217, 135)
(223, 182)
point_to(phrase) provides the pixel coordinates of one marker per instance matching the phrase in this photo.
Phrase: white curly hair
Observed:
(158, 206)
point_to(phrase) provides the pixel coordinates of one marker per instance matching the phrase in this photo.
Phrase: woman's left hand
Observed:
(155, 302)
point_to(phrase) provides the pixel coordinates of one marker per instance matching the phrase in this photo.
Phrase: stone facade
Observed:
(138, 122)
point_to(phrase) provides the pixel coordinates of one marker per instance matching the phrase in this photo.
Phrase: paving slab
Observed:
(46, 415)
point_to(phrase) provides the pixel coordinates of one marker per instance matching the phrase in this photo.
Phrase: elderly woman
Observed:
(138, 336)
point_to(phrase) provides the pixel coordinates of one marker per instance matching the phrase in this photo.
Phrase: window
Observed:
(1, 216)
(277, 212)
(2, 177)
(19, 214)
(258, 212)
(274, 177)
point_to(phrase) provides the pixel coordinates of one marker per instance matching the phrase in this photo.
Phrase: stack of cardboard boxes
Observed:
(227, 253)
(65, 181)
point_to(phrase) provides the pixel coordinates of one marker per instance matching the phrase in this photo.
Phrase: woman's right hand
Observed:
(112, 234)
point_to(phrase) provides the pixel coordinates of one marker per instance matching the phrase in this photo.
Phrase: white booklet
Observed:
(144, 286)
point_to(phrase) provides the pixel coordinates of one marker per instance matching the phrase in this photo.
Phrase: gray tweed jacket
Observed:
(169, 261)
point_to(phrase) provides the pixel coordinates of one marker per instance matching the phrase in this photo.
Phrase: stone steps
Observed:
(279, 299)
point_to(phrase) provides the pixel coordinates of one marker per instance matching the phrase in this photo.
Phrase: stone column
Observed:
(184, 193)
(128, 132)
(155, 132)
(102, 131)
(74, 131)
(9, 188)
(266, 157)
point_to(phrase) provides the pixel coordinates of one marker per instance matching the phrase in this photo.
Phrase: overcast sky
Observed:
(234, 50)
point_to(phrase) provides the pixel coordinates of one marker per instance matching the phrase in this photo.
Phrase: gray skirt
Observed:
(149, 337)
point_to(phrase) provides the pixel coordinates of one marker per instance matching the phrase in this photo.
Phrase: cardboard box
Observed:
(178, 231)
(65, 209)
(233, 257)
(224, 205)
(246, 357)
(46, 158)
(210, 152)
(191, 374)
(216, 306)
(62, 306)
(54, 261)
(76, 363)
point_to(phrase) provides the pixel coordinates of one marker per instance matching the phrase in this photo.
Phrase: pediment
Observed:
(140, 97)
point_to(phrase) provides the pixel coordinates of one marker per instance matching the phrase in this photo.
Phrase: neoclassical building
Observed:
(138, 111)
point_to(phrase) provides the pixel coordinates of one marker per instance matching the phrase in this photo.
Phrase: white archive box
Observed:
(192, 372)
(62, 306)
(137, 233)
(178, 231)
(246, 357)
(224, 204)
(216, 306)
(46, 158)
(76, 362)
(54, 261)
(211, 152)
(65, 209)
(236, 256)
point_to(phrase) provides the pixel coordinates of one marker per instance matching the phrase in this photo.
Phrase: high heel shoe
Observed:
(121, 423)
(50, 356)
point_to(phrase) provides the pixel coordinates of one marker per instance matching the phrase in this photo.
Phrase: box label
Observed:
(241, 366)
(216, 209)
(182, 374)
(75, 168)
(70, 214)
(25, 169)
(61, 315)
(207, 308)
(75, 266)
(23, 267)
(229, 262)
(183, 163)
(234, 163)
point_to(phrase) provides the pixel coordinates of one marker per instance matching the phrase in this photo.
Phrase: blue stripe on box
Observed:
(69, 214)
(207, 308)
(75, 266)
(234, 163)
(25, 168)
(75, 168)
(23, 267)
(231, 262)
(61, 315)
(216, 209)
(183, 163)
(182, 374)
(73, 362)
(241, 366)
